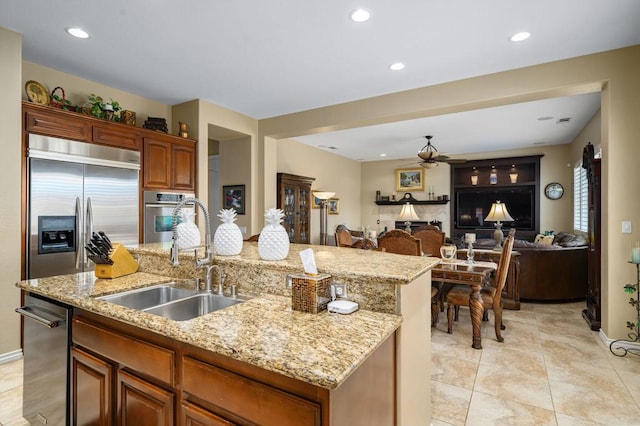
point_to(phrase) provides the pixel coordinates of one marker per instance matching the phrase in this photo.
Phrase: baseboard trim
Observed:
(10, 356)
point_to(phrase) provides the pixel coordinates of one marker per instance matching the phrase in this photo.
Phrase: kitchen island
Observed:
(322, 362)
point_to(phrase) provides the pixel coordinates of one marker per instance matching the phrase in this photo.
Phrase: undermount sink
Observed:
(194, 306)
(168, 301)
(148, 297)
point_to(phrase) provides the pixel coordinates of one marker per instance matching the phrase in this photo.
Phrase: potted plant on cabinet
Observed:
(101, 109)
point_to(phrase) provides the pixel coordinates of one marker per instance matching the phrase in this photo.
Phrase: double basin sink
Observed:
(170, 301)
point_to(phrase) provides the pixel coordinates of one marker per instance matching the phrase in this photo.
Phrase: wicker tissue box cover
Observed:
(310, 293)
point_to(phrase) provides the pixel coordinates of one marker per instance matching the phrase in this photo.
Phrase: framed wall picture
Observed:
(333, 206)
(233, 198)
(410, 179)
(315, 201)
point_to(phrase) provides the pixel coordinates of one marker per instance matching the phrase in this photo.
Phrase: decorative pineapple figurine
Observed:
(273, 243)
(227, 240)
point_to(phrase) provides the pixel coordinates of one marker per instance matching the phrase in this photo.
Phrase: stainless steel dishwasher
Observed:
(47, 328)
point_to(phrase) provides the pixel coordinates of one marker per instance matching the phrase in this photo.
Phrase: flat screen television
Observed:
(472, 206)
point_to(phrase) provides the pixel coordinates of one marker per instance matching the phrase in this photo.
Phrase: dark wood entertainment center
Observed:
(480, 183)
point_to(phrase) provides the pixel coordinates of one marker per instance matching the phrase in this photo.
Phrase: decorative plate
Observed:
(554, 191)
(37, 93)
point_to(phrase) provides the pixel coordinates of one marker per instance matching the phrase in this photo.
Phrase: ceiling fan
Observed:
(430, 157)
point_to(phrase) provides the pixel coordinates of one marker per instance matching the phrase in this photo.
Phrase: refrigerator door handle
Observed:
(79, 244)
(89, 226)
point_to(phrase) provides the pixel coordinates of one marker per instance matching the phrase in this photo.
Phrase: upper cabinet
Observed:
(168, 162)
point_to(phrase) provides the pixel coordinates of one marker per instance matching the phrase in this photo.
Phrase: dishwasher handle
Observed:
(28, 312)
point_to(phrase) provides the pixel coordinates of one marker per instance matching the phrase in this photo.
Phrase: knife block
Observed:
(123, 263)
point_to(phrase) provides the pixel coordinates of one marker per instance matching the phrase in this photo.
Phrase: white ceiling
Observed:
(265, 59)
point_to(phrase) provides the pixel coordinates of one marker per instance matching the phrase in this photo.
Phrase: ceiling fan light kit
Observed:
(431, 157)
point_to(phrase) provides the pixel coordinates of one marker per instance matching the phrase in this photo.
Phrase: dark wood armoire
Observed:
(592, 313)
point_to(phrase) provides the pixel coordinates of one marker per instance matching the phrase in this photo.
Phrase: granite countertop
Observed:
(321, 349)
(346, 262)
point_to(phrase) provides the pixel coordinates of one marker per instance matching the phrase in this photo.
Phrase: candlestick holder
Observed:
(622, 346)
(470, 253)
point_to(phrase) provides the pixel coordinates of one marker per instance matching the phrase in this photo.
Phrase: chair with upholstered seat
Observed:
(253, 238)
(432, 240)
(343, 236)
(491, 296)
(400, 242)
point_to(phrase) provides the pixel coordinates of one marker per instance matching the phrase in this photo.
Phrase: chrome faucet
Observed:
(207, 235)
(208, 284)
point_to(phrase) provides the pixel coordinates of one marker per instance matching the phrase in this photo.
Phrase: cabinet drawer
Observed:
(140, 356)
(119, 136)
(51, 125)
(248, 399)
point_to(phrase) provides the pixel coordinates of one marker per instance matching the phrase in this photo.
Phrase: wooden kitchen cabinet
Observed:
(141, 403)
(125, 375)
(168, 164)
(105, 362)
(294, 198)
(91, 389)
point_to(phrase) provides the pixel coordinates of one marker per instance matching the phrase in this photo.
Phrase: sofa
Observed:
(555, 272)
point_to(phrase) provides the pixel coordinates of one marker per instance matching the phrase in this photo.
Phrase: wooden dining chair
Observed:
(491, 296)
(400, 242)
(432, 240)
(253, 238)
(364, 243)
(343, 236)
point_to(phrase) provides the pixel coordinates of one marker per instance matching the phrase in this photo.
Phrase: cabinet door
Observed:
(142, 403)
(50, 124)
(118, 135)
(288, 202)
(183, 174)
(156, 163)
(193, 415)
(91, 389)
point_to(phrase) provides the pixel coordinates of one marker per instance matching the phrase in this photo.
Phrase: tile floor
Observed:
(551, 370)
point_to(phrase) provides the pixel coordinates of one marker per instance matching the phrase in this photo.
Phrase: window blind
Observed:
(580, 199)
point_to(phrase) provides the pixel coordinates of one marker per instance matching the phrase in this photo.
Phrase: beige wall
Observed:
(77, 90)
(235, 169)
(10, 142)
(554, 215)
(590, 133)
(614, 73)
(332, 173)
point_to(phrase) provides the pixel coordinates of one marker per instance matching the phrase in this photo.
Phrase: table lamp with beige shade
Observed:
(408, 215)
(497, 214)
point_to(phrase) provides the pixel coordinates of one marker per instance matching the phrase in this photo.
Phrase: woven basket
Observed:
(63, 104)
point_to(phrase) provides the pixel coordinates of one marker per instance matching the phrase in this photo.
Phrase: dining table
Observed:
(476, 275)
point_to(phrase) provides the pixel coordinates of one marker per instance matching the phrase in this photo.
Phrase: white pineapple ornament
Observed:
(227, 240)
(273, 242)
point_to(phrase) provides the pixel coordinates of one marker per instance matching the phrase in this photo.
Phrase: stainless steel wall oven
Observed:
(158, 207)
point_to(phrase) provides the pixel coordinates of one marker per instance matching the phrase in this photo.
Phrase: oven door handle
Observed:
(161, 206)
(29, 312)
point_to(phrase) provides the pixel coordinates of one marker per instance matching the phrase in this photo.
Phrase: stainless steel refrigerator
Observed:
(75, 189)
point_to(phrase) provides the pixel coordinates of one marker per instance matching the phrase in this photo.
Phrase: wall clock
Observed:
(553, 191)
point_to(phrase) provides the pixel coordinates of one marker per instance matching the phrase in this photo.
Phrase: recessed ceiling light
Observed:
(520, 36)
(383, 155)
(360, 15)
(397, 66)
(77, 32)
